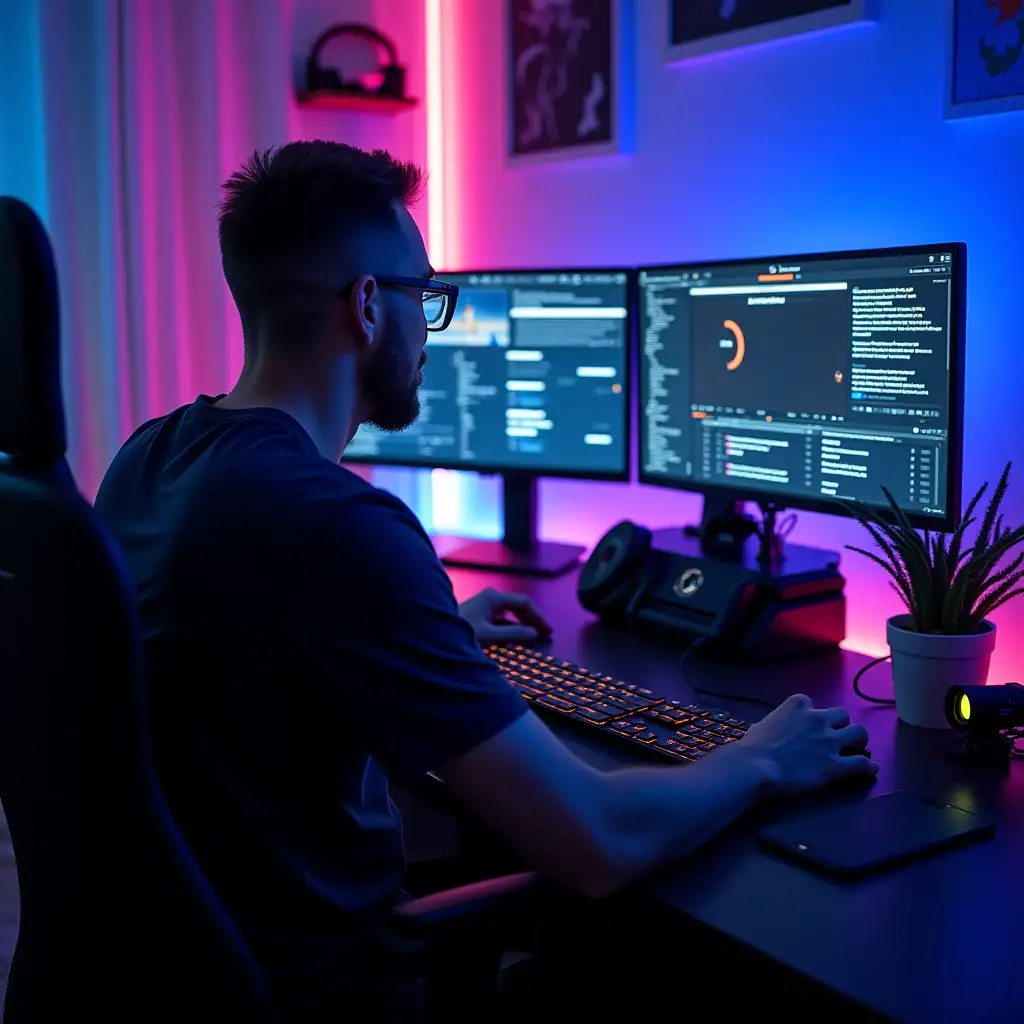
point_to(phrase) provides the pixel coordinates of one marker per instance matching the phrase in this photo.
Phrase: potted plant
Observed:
(950, 587)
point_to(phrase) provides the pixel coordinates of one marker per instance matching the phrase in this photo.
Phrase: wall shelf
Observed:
(366, 102)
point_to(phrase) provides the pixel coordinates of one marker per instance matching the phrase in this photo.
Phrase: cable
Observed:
(742, 699)
(866, 696)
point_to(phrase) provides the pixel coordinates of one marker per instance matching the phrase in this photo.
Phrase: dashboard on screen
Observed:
(807, 380)
(532, 375)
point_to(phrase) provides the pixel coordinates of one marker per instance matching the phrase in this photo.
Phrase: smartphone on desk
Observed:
(861, 838)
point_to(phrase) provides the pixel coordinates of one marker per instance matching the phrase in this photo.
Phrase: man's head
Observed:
(310, 233)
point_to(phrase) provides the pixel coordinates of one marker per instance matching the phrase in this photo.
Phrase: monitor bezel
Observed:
(607, 476)
(958, 325)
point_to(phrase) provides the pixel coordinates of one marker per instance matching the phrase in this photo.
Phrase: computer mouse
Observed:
(854, 752)
(858, 779)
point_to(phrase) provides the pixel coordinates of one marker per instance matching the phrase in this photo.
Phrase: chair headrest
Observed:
(31, 408)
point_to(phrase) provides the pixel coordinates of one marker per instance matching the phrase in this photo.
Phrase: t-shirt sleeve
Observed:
(381, 629)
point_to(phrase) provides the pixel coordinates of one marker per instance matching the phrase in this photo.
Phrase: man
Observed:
(306, 644)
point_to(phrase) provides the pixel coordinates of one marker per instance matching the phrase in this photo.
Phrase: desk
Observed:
(938, 940)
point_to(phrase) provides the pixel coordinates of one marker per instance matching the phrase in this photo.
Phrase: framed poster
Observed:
(986, 58)
(563, 78)
(698, 28)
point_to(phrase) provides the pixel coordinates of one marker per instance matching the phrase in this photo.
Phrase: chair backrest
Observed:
(117, 921)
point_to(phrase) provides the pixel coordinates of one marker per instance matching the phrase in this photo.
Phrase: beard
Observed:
(391, 387)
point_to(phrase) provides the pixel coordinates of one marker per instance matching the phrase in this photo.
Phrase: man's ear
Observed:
(367, 309)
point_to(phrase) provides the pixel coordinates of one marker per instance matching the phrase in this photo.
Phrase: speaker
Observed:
(666, 582)
(612, 567)
(321, 79)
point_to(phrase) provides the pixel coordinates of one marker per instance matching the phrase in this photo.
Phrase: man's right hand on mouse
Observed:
(802, 746)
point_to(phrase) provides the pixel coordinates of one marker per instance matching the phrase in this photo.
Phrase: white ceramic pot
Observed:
(926, 665)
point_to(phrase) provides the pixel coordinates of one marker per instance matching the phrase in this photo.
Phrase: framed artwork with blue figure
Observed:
(986, 62)
(702, 28)
(564, 78)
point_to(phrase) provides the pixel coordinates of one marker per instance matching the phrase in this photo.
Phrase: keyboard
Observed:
(622, 711)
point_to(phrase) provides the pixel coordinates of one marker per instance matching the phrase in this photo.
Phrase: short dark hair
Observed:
(293, 220)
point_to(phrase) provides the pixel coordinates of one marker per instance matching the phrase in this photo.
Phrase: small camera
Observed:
(988, 717)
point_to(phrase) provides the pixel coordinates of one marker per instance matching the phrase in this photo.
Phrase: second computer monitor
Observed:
(807, 380)
(531, 376)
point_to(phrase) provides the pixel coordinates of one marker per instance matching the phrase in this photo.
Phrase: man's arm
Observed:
(377, 626)
(595, 831)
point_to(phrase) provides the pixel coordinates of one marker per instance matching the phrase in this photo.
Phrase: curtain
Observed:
(130, 114)
(119, 120)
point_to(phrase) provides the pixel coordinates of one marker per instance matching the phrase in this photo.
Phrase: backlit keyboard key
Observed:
(555, 702)
(678, 732)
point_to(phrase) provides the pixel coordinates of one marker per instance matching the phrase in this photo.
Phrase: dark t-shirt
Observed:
(305, 644)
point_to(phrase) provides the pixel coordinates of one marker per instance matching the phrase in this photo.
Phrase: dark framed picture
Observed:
(698, 28)
(986, 58)
(563, 72)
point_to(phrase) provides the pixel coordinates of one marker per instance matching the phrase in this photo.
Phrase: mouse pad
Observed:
(875, 833)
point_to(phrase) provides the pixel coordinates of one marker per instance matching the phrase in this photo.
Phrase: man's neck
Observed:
(329, 428)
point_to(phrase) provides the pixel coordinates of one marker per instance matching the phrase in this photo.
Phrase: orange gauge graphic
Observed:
(741, 345)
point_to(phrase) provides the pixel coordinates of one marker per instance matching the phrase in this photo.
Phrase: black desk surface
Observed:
(936, 940)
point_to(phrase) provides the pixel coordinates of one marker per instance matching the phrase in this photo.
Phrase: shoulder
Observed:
(356, 532)
(140, 437)
(130, 460)
(157, 431)
(364, 521)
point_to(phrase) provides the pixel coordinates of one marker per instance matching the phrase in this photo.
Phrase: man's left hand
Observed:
(504, 618)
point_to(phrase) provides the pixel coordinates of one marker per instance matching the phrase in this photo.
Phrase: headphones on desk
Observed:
(327, 79)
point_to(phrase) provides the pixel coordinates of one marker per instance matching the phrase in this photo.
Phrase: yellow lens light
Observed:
(965, 708)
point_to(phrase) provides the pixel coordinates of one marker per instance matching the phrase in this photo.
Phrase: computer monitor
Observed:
(806, 381)
(530, 379)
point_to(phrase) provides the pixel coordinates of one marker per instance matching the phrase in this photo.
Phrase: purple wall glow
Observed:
(822, 142)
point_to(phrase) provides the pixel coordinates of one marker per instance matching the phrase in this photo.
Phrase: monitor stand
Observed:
(726, 529)
(519, 552)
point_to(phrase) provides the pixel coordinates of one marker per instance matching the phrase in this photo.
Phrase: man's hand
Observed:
(807, 748)
(504, 618)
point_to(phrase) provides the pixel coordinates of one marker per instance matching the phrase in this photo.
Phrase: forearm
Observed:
(652, 816)
(594, 831)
